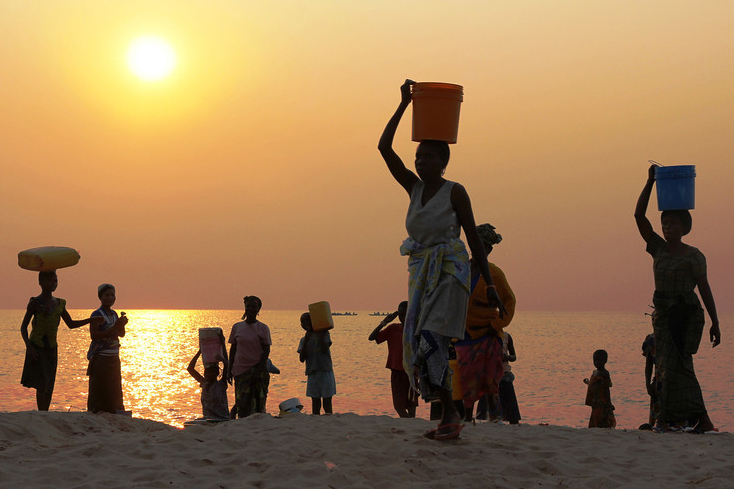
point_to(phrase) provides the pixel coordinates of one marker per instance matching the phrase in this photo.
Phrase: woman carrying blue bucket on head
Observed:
(678, 319)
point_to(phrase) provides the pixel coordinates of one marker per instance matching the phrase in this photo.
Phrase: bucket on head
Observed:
(676, 187)
(211, 345)
(320, 315)
(436, 109)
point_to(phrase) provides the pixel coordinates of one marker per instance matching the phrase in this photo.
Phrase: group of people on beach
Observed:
(248, 365)
(451, 326)
(251, 367)
(481, 363)
(449, 297)
(443, 293)
(44, 313)
(676, 399)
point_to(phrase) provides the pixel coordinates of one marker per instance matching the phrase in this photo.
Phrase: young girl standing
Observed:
(214, 403)
(104, 371)
(314, 350)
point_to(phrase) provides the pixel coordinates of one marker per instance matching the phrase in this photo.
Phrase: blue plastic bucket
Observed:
(676, 187)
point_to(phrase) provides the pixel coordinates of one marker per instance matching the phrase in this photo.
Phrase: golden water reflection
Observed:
(554, 355)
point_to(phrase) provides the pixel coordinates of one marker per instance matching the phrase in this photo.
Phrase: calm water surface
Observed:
(554, 355)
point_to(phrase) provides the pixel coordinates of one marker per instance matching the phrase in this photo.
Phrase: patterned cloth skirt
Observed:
(40, 374)
(678, 329)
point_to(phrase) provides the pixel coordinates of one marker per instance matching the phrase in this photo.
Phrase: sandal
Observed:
(449, 435)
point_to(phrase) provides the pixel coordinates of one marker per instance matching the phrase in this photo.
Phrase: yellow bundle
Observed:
(48, 258)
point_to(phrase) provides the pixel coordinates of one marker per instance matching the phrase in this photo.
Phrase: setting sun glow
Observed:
(151, 58)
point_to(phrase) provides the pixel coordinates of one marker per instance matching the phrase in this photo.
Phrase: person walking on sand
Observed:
(439, 284)
(404, 399)
(44, 313)
(678, 318)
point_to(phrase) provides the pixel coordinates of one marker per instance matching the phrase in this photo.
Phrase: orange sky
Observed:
(253, 169)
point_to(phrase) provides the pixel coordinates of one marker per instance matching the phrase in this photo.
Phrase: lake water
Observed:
(554, 356)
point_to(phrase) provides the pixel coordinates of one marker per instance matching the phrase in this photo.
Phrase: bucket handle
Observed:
(655, 163)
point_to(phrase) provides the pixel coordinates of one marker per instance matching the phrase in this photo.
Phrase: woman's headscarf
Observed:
(488, 236)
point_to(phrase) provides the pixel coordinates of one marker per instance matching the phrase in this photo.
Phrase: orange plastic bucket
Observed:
(436, 111)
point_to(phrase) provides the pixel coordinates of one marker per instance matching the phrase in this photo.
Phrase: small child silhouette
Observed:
(598, 396)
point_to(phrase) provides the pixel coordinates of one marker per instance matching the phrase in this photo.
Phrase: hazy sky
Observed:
(253, 168)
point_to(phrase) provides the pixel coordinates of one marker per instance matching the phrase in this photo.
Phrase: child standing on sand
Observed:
(652, 382)
(214, 404)
(314, 350)
(404, 399)
(44, 313)
(597, 394)
(507, 397)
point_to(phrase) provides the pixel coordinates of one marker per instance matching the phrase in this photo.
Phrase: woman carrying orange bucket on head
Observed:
(439, 267)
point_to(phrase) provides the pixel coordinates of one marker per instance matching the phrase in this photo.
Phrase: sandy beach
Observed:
(83, 450)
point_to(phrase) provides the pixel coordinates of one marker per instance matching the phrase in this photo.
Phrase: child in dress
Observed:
(507, 397)
(652, 382)
(314, 351)
(598, 396)
(214, 404)
(44, 313)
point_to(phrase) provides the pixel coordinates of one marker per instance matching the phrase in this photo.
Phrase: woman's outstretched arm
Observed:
(405, 177)
(643, 223)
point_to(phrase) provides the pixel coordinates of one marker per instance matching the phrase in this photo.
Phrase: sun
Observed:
(151, 58)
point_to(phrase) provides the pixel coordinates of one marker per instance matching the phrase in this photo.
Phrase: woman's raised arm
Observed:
(405, 177)
(643, 223)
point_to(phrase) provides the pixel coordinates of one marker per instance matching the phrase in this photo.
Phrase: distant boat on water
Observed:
(344, 313)
(378, 313)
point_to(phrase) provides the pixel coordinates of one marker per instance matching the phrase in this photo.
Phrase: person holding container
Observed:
(438, 262)
(678, 319)
(104, 370)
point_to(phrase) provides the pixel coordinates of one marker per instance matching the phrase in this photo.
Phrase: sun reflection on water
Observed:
(554, 355)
